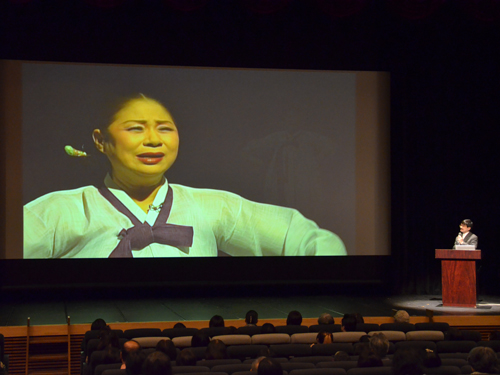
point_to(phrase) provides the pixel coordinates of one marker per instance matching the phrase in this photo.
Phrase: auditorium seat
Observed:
(229, 369)
(101, 368)
(416, 344)
(347, 336)
(182, 341)
(189, 369)
(424, 336)
(367, 327)
(455, 346)
(312, 359)
(466, 369)
(303, 338)
(346, 365)
(251, 373)
(179, 332)
(454, 355)
(199, 352)
(291, 350)
(331, 349)
(271, 338)
(325, 327)
(403, 327)
(94, 335)
(459, 362)
(234, 339)
(292, 329)
(494, 344)
(115, 372)
(98, 357)
(215, 362)
(141, 332)
(290, 366)
(320, 371)
(216, 331)
(249, 330)
(277, 359)
(392, 336)
(93, 343)
(149, 342)
(243, 352)
(471, 335)
(443, 370)
(436, 326)
(385, 370)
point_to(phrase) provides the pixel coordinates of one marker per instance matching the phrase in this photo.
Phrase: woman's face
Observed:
(142, 142)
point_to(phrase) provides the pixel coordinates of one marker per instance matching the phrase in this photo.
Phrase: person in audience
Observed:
(251, 318)
(129, 347)
(167, 347)
(157, 363)
(269, 366)
(325, 318)
(98, 325)
(401, 316)
(216, 321)
(135, 361)
(294, 318)
(255, 364)
(268, 328)
(324, 337)
(341, 356)
(361, 347)
(483, 360)
(186, 358)
(432, 359)
(216, 349)
(349, 323)
(494, 336)
(453, 334)
(365, 339)
(368, 359)
(408, 361)
(379, 345)
(179, 325)
(108, 339)
(199, 339)
(359, 318)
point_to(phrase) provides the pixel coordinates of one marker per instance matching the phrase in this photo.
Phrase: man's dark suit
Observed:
(469, 239)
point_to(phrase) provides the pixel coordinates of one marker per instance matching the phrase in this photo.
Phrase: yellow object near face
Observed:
(141, 143)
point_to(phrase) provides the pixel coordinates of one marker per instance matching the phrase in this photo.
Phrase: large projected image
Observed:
(123, 161)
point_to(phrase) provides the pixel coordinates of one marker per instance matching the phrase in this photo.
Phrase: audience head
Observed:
(361, 347)
(251, 317)
(494, 336)
(325, 318)
(216, 321)
(129, 347)
(349, 323)
(157, 363)
(255, 364)
(98, 325)
(294, 318)
(108, 338)
(179, 325)
(365, 339)
(483, 359)
(167, 347)
(341, 356)
(401, 316)
(379, 344)
(431, 359)
(216, 349)
(200, 339)
(269, 366)
(453, 334)
(268, 328)
(135, 361)
(359, 318)
(186, 358)
(408, 361)
(324, 337)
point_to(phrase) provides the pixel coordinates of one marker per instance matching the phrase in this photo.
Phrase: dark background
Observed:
(444, 64)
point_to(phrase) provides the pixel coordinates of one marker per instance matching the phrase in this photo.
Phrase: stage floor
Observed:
(48, 311)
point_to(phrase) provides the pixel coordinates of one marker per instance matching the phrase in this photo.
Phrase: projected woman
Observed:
(139, 214)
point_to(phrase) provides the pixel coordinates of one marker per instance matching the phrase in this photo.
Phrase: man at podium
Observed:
(465, 236)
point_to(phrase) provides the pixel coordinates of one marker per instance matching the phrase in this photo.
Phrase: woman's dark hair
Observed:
(269, 366)
(251, 317)
(294, 318)
(200, 339)
(98, 325)
(179, 325)
(483, 359)
(186, 358)
(167, 347)
(268, 328)
(408, 361)
(321, 336)
(107, 339)
(216, 349)
(157, 363)
(216, 321)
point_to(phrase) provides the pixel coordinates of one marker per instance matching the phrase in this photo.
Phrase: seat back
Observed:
(303, 338)
(367, 327)
(243, 352)
(291, 350)
(325, 327)
(141, 332)
(331, 349)
(271, 338)
(437, 326)
(455, 346)
(347, 336)
(425, 336)
(403, 327)
(249, 330)
(179, 332)
(292, 329)
(234, 339)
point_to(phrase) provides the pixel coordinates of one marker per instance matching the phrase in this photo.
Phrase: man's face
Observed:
(464, 228)
(142, 141)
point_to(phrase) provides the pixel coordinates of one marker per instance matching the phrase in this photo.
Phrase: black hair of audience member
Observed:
(186, 358)
(167, 347)
(108, 338)
(361, 347)
(269, 366)
(135, 361)
(432, 359)
(216, 321)
(379, 344)
(408, 361)
(349, 323)
(129, 347)
(294, 318)
(365, 338)
(98, 325)
(359, 318)
(494, 336)
(251, 318)
(232, 330)
(216, 349)
(484, 360)
(324, 337)
(341, 356)
(157, 363)
(453, 334)
(199, 339)
(268, 328)
(179, 325)
(325, 318)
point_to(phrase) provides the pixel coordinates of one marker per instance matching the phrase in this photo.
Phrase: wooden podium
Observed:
(458, 275)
